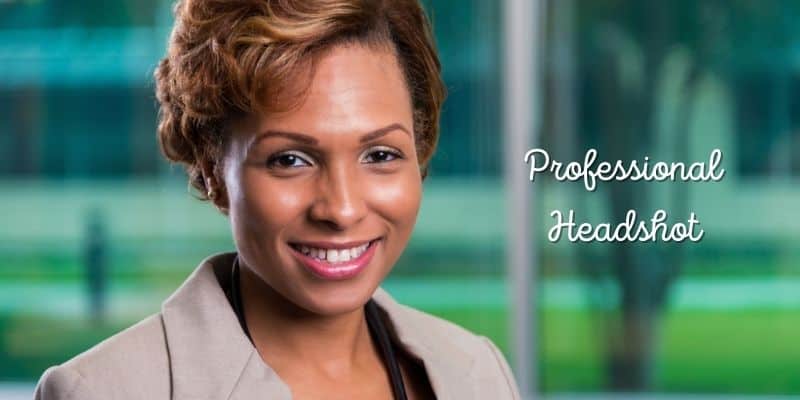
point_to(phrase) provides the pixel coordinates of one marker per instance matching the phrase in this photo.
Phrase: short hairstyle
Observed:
(230, 58)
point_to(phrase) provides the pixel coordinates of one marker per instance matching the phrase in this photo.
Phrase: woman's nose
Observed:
(339, 201)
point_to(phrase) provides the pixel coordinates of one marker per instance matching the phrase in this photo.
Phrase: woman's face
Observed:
(322, 199)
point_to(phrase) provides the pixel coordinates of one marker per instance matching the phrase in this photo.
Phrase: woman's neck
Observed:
(287, 336)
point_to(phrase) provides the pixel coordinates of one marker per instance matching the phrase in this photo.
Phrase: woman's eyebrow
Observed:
(383, 131)
(310, 140)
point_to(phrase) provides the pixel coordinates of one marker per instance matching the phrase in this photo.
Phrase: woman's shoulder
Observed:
(452, 347)
(130, 364)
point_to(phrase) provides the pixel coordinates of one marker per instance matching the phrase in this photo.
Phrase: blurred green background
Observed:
(82, 184)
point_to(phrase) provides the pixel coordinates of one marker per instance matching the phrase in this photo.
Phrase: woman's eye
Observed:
(287, 161)
(379, 156)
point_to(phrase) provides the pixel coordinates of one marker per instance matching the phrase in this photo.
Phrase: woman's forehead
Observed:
(353, 89)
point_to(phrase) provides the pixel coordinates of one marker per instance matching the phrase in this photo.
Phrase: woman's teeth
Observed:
(334, 255)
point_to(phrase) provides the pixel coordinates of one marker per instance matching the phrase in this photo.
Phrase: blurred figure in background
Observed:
(96, 265)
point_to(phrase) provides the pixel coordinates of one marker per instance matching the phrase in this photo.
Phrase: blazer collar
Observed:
(446, 364)
(211, 358)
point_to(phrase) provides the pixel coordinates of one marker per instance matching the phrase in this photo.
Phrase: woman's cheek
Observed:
(398, 198)
(275, 201)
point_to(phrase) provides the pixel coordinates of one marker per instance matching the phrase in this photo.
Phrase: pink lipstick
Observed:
(335, 262)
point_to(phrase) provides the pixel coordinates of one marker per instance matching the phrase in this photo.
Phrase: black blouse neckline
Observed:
(377, 331)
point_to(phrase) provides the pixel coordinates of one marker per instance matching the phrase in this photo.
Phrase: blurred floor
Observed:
(20, 391)
(16, 391)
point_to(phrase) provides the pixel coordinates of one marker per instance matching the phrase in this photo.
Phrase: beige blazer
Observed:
(195, 349)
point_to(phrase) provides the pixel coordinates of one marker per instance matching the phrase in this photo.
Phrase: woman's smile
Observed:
(334, 261)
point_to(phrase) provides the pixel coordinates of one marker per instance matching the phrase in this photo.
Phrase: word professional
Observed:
(620, 171)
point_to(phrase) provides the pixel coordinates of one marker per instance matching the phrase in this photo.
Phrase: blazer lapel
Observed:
(258, 381)
(210, 356)
(448, 366)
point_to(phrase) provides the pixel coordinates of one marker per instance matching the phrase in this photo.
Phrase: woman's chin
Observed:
(336, 301)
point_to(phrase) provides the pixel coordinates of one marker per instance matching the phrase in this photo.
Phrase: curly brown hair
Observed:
(231, 58)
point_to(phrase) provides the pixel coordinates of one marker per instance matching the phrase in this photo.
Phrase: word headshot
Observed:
(632, 229)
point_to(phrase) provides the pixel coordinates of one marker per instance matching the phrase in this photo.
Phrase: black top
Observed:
(376, 329)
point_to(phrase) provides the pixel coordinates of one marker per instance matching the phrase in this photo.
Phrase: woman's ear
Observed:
(215, 186)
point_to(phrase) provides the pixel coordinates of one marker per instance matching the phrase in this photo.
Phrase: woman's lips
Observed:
(334, 267)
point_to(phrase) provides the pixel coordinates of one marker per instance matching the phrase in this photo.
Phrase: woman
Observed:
(309, 124)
